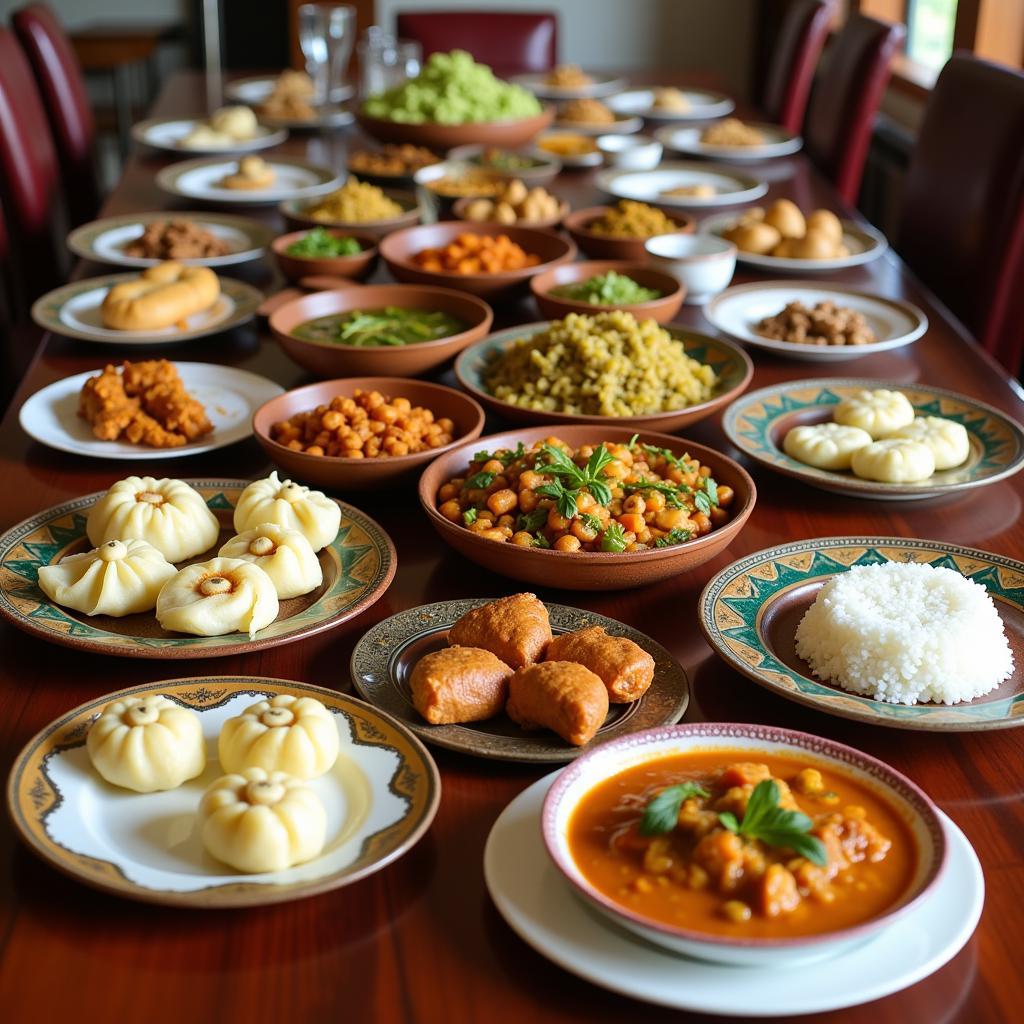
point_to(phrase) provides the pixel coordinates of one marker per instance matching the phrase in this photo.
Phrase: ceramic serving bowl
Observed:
(600, 247)
(703, 263)
(610, 758)
(295, 212)
(630, 152)
(328, 360)
(461, 206)
(399, 249)
(354, 267)
(506, 134)
(587, 570)
(341, 474)
(662, 309)
(544, 166)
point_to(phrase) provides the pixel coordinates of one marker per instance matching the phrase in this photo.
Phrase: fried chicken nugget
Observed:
(177, 410)
(105, 405)
(459, 684)
(561, 696)
(143, 429)
(623, 666)
(141, 376)
(516, 629)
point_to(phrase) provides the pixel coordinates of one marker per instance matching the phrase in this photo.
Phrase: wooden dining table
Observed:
(420, 940)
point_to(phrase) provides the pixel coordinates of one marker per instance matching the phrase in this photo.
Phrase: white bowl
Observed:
(704, 263)
(608, 759)
(630, 152)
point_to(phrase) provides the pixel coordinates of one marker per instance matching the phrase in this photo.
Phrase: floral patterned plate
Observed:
(380, 797)
(757, 422)
(749, 613)
(358, 567)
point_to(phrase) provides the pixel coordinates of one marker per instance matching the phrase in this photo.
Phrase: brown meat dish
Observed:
(459, 684)
(559, 695)
(624, 667)
(515, 629)
(176, 239)
(824, 324)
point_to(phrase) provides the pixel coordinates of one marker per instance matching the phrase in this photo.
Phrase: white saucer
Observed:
(777, 142)
(541, 908)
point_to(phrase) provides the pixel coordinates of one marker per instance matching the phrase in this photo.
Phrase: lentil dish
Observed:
(770, 847)
(356, 202)
(602, 497)
(630, 219)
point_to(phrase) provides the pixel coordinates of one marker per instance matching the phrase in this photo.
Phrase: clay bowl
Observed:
(353, 267)
(506, 134)
(545, 166)
(341, 474)
(599, 247)
(294, 213)
(461, 205)
(327, 360)
(557, 306)
(399, 249)
(587, 570)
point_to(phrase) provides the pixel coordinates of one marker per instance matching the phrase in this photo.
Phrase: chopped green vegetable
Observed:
(540, 541)
(380, 328)
(320, 244)
(677, 535)
(531, 522)
(469, 516)
(591, 522)
(661, 814)
(479, 481)
(764, 819)
(504, 455)
(609, 289)
(613, 538)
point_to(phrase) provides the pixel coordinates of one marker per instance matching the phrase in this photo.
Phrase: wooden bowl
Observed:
(585, 570)
(328, 360)
(599, 247)
(342, 474)
(545, 169)
(557, 306)
(461, 205)
(354, 267)
(507, 134)
(295, 216)
(399, 249)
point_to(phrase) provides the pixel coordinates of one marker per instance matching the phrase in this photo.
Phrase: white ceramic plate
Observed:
(594, 159)
(737, 311)
(200, 179)
(622, 125)
(731, 187)
(230, 397)
(778, 142)
(329, 115)
(704, 105)
(255, 90)
(543, 910)
(602, 85)
(168, 135)
(104, 241)
(866, 243)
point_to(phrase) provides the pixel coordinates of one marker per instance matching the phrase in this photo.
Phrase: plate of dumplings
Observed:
(222, 791)
(874, 439)
(165, 568)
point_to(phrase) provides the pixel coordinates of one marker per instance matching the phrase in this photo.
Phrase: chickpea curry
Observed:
(772, 848)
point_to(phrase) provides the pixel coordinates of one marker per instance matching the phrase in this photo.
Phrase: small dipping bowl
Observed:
(703, 263)
(630, 152)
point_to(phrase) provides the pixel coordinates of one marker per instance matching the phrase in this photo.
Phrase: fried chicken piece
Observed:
(105, 405)
(143, 429)
(177, 410)
(140, 377)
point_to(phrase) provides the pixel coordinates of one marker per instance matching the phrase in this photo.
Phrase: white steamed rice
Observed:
(905, 633)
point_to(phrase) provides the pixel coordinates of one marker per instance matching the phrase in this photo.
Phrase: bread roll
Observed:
(161, 296)
(785, 216)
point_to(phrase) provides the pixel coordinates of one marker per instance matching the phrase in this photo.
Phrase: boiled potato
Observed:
(825, 445)
(813, 246)
(754, 237)
(880, 412)
(896, 460)
(947, 439)
(827, 223)
(785, 216)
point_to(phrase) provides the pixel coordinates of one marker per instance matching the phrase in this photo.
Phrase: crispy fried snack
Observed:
(105, 404)
(561, 696)
(459, 684)
(177, 410)
(515, 629)
(624, 667)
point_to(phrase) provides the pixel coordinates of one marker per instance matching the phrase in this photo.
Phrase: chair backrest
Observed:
(962, 225)
(510, 42)
(797, 49)
(62, 86)
(846, 98)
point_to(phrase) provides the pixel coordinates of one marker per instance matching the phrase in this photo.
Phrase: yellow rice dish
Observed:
(608, 364)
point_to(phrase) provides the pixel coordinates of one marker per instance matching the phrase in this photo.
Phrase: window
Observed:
(930, 26)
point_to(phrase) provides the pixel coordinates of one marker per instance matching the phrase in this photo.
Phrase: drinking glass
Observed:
(326, 36)
(386, 62)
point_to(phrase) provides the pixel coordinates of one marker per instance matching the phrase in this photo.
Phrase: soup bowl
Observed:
(742, 742)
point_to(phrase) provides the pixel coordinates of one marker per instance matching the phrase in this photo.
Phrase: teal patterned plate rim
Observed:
(749, 612)
(756, 422)
(358, 567)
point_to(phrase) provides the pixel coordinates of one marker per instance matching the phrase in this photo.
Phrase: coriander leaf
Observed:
(703, 502)
(661, 814)
(509, 457)
(565, 499)
(540, 541)
(591, 522)
(469, 516)
(482, 457)
(712, 489)
(728, 819)
(479, 480)
(677, 535)
(558, 464)
(613, 538)
(531, 522)
(596, 463)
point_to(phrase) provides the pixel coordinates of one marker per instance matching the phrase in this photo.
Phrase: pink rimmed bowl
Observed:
(608, 759)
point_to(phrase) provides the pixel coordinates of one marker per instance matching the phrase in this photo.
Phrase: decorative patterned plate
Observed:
(384, 658)
(358, 567)
(380, 798)
(757, 423)
(749, 613)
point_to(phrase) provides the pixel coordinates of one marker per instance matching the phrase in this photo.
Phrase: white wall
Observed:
(76, 13)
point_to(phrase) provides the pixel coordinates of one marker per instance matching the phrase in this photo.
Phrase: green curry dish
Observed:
(320, 244)
(381, 328)
(611, 289)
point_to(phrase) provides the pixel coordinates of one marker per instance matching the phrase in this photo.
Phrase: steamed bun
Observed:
(286, 503)
(894, 461)
(825, 445)
(283, 554)
(947, 439)
(879, 412)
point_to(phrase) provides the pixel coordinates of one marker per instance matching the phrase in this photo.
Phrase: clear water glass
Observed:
(386, 62)
(326, 36)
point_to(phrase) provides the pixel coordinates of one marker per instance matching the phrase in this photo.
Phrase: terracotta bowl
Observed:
(328, 360)
(461, 205)
(546, 166)
(507, 134)
(599, 247)
(399, 249)
(728, 360)
(557, 306)
(295, 216)
(354, 267)
(587, 570)
(342, 474)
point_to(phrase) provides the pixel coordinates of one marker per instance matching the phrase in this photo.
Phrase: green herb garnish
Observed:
(540, 541)
(677, 535)
(531, 522)
(591, 522)
(661, 814)
(590, 476)
(320, 244)
(505, 457)
(609, 289)
(614, 538)
(469, 516)
(766, 820)
(479, 481)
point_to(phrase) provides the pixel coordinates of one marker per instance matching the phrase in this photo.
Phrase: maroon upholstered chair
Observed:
(510, 42)
(62, 86)
(845, 99)
(800, 42)
(962, 226)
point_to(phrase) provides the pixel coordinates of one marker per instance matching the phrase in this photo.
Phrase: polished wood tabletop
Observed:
(420, 940)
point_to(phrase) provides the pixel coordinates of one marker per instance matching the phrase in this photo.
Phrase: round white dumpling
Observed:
(895, 460)
(825, 445)
(147, 744)
(297, 735)
(238, 122)
(262, 821)
(947, 439)
(120, 577)
(168, 514)
(224, 595)
(286, 503)
(879, 412)
(283, 554)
